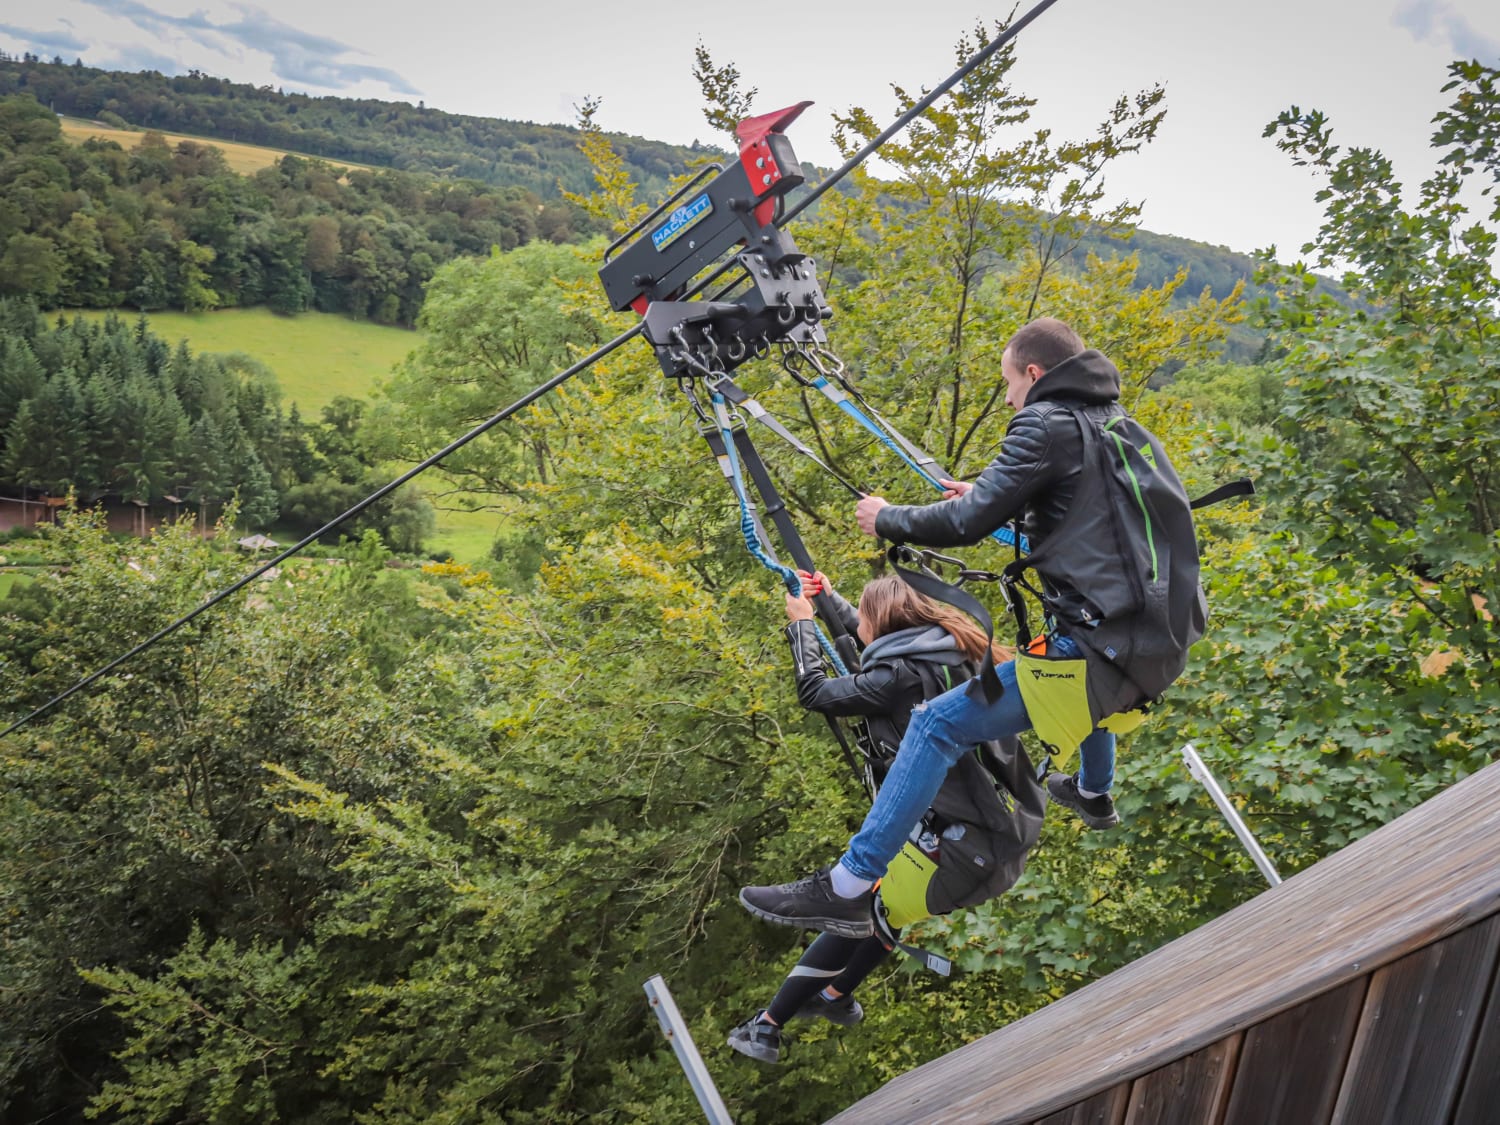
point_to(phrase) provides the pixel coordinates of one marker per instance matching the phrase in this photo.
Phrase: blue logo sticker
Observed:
(681, 219)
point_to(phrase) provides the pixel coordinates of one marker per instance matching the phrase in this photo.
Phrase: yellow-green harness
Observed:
(1055, 692)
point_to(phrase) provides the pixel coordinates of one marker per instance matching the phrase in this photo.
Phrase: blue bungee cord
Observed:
(751, 532)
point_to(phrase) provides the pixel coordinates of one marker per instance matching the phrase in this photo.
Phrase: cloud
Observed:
(132, 57)
(298, 57)
(196, 26)
(1441, 23)
(44, 42)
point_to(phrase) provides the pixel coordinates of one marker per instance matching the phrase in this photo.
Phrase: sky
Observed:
(1375, 67)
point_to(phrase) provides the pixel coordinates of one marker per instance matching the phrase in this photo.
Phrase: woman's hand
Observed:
(953, 489)
(799, 609)
(813, 584)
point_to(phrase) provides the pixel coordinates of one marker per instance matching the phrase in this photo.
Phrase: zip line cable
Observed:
(551, 384)
(385, 490)
(916, 110)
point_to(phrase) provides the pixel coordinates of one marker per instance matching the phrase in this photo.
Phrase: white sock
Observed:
(846, 884)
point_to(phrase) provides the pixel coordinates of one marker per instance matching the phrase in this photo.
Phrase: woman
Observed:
(972, 844)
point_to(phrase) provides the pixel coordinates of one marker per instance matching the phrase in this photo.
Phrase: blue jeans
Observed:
(940, 734)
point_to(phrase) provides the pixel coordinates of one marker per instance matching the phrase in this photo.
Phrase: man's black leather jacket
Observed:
(1036, 472)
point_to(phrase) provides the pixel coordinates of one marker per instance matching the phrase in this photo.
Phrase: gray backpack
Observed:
(1127, 553)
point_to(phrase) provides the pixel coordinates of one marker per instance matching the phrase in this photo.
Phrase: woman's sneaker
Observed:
(845, 1011)
(1097, 812)
(757, 1039)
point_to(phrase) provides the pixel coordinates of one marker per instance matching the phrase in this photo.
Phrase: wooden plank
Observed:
(1328, 925)
(1191, 1091)
(1105, 1108)
(1480, 1103)
(1292, 1065)
(1417, 1030)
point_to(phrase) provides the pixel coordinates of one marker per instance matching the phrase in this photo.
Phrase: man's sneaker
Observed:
(757, 1039)
(1097, 812)
(811, 904)
(845, 1011)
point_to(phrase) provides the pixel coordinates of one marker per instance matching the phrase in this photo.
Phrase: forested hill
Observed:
(389, 134)
(161, 226)
(1162, 255)
(419, 138)
(304, 235)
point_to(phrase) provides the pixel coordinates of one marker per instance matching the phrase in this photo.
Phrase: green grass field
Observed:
(468, 536)
(316, 356)
(10, 579)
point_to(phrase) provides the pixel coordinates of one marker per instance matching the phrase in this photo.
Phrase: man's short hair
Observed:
(1045, 342)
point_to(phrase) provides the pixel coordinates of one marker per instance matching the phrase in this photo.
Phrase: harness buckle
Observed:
(967, 575)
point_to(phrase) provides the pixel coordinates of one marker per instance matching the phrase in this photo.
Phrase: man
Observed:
(1057, 388)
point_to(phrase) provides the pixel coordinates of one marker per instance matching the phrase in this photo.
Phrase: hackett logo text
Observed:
(680, 219)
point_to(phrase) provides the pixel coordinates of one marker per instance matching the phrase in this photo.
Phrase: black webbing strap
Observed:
(934, 587)
(1242, 487)
(776, 510)
(924, 957)
(1015, 584)
(736, 394)
(822, 602)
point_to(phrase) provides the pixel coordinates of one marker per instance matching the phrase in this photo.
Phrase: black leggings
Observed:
(840, 962)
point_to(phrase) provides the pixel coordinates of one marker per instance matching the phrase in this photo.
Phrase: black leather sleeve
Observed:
(1029, 460)
(848, 616)
(875, 692)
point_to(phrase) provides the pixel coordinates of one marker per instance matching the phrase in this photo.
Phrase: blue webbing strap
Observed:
(844, 403)
(729, 468)
(902, 449)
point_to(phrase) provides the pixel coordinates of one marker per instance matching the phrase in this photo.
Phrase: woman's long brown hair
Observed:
(888, 604)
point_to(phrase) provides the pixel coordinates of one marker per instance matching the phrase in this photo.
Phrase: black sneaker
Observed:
(1097, 812)
(757, 1039)
(810, 904)
(845, 1011)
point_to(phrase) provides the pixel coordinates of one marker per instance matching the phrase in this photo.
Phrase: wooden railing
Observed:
(1363, 990)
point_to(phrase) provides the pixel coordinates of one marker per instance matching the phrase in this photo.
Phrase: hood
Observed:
(932, 643)
(1088, 376)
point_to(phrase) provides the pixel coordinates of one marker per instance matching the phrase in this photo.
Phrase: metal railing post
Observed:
(681, 1039)
(1200, 772)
